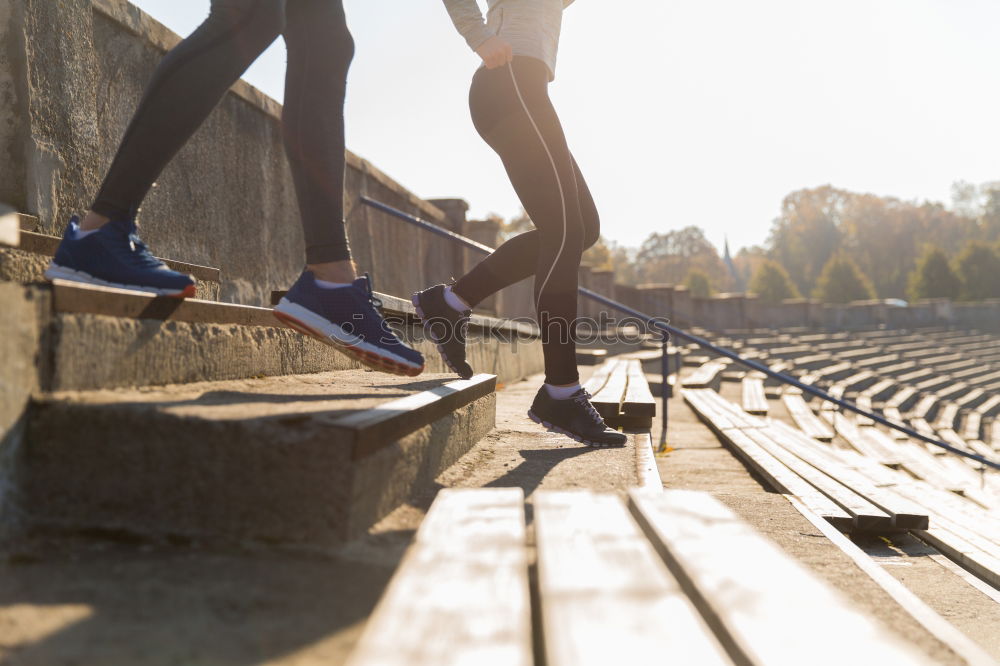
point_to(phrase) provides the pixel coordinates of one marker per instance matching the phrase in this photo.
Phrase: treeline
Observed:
(836, 246)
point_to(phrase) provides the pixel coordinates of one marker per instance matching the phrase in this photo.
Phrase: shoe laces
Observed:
(584, 399)
(125, 243)
(376, 305)
(141, 254)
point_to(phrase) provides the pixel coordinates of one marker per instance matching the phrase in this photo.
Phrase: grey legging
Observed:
(194, 76)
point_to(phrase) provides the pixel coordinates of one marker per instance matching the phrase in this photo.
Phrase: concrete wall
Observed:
(71, 75)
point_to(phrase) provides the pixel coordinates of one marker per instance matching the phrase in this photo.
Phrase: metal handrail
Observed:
(665, 328)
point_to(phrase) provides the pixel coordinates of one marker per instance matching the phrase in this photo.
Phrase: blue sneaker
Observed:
(113, 256)
(349, 319)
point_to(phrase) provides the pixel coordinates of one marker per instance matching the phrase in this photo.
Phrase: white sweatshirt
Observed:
(531, 27)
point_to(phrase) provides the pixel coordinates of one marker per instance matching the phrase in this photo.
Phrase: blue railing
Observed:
(667, 330)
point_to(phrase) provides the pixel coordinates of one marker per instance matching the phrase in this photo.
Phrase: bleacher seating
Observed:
(860, 476)
(671, 575)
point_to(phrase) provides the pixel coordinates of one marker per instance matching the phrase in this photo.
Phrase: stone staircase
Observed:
(198, 419)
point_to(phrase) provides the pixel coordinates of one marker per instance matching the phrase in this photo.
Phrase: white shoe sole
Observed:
(57, 272)
(309, 323)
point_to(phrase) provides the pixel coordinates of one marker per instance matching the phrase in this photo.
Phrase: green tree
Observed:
(841, 281)
(668, 257)
(979, 269)
(771, 283)
(933, 277)
(698, 284)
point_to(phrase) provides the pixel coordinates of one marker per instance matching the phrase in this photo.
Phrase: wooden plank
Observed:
(938, 626)
(754, 400)
(972, 425)
(866, 516)
(754, 594)
(461, 594)
(706, 376)
(805, 419)
(606, 598)
(77, 298)
(10, 228)
(607, 387)
(374, 429)
(947, 417)
(638, 400)
(646, 468)
(904, 513)
(782, 479)
(599, 377)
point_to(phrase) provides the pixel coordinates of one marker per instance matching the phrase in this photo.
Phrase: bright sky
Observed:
(704, 112)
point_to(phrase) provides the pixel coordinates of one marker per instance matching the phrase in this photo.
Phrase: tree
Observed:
(933, 277)
(771, 283)
(979, 269)
(806, 233)
(698, 284)
(842, 282)
(668, 257)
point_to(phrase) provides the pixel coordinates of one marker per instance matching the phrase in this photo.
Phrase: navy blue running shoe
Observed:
(113, 256)
(349, 319)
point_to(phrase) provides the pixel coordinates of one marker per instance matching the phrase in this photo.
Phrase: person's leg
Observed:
(320, 50)
(328, 302)
(506, 125)
(513, 113)
(104, 249)
(517, 258)
(188, 84)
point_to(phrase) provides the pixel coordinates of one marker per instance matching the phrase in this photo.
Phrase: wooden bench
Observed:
(621, 394)
(591, 356)
(804, 417)
(754, 400)
(461, 592)
(670, 577)
(708, 375)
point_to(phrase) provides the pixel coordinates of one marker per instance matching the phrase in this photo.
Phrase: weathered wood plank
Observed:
(754, 400)
(904, 513)
(606, 597)
(10, 228)
(608, 398)
(754, 594)
(805, 419)
(706, 376)
(777, 475)
(461, 594)
(866, 515)
(645, 463)
(638, 400)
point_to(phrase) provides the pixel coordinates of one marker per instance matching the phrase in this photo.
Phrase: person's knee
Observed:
(591, 229)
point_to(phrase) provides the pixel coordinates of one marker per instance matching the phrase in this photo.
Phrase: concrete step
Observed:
(26, 262)
(300, 459)
(96, 338)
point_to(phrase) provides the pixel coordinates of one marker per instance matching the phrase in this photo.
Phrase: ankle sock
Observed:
(323, 284)
(561, 392)
(455, 301)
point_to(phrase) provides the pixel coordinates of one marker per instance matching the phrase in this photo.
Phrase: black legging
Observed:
(194, 76)
(512, 112)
